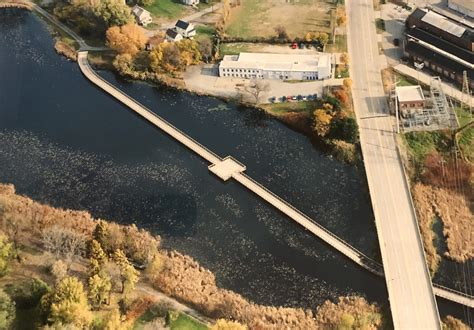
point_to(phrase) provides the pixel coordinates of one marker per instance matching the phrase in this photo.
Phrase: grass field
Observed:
(259, 18)
(170, 9)
(283, 107)
(340, 45)
(466, 138)
(184, 322)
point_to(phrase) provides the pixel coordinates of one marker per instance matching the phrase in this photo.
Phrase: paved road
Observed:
(410, 291)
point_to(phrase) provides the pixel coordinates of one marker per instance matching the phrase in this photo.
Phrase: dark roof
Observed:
(182, 24)
(442, 44)
(171, 33)
(415, 48)
(415, 19)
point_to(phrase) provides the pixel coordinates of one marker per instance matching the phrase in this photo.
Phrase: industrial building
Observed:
(276, 66)
(465, 7)
(420, 110)
(440, 44)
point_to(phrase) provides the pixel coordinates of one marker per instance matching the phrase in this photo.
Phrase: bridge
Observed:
(229, 168)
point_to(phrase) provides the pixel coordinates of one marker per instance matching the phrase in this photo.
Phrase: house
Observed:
(190, 2)
(173, 36)
(186, 29)
(142, 16)
(276, 66)
(409, 99)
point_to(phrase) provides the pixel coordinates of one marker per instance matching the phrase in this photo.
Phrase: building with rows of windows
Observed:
(276, 66)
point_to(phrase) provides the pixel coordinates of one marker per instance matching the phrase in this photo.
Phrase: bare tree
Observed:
(256, 87)
(63, 242)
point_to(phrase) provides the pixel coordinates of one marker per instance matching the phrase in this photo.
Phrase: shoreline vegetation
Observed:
(137, 57)
(36, 235)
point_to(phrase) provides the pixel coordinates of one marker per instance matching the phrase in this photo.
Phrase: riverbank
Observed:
(336, 146)
(15, 4)
(175, 274)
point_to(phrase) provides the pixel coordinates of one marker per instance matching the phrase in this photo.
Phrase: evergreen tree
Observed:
(128, 274)
(101, 234)
(100, 287)
(7, 253)
(7, 310)
(69, 304)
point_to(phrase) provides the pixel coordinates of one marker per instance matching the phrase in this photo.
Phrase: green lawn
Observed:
(466, 137)
(185, 322)
(404, 80)
(204, 32)
(282, 107)
(171, 9)
(233, 48)
(258, 18)
(339, 46)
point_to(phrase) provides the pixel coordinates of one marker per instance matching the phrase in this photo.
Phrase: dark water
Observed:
(66, 143)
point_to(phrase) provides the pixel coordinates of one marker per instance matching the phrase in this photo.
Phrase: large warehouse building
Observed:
(465, 7)
(276, 66)
(440, 44)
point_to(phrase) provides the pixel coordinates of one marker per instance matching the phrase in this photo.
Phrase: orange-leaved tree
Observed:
(126, 39)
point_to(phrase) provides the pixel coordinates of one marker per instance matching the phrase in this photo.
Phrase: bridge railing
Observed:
(86, 63)
(364, 260)
(456, 292)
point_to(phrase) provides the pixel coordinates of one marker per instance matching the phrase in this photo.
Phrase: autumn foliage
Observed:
(126, 39)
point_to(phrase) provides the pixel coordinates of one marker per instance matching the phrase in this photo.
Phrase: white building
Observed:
(142, 16)
(465, 7)
(190, 2)
(186, 29)
(173, 36)
(276, 66)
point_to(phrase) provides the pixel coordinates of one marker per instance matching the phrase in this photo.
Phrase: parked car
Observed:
(301, 45)
(289, 98)
(299, 97)
(305, 98)
(284, 99)
(272, 99)
(294, 98)
(310, 97)
(294, 45)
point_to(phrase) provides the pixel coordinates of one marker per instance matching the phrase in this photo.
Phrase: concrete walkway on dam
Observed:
(227, 168)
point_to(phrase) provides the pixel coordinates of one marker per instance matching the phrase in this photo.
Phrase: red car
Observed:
(294, 45)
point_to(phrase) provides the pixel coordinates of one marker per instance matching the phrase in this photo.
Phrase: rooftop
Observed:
(441, 22)
(409, 94)
(283, 62)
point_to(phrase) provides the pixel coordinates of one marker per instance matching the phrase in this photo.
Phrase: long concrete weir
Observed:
(228, 167)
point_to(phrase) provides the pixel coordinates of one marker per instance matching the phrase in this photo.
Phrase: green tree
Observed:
(69, 304)
(96, 252)
(113, 12)
(7, 254)
(100, 287)
(322, 38)
(344, 128)
(128, 274)
(7, 310)
(101, 234)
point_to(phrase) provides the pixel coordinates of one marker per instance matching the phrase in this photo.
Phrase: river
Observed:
(66, 143)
